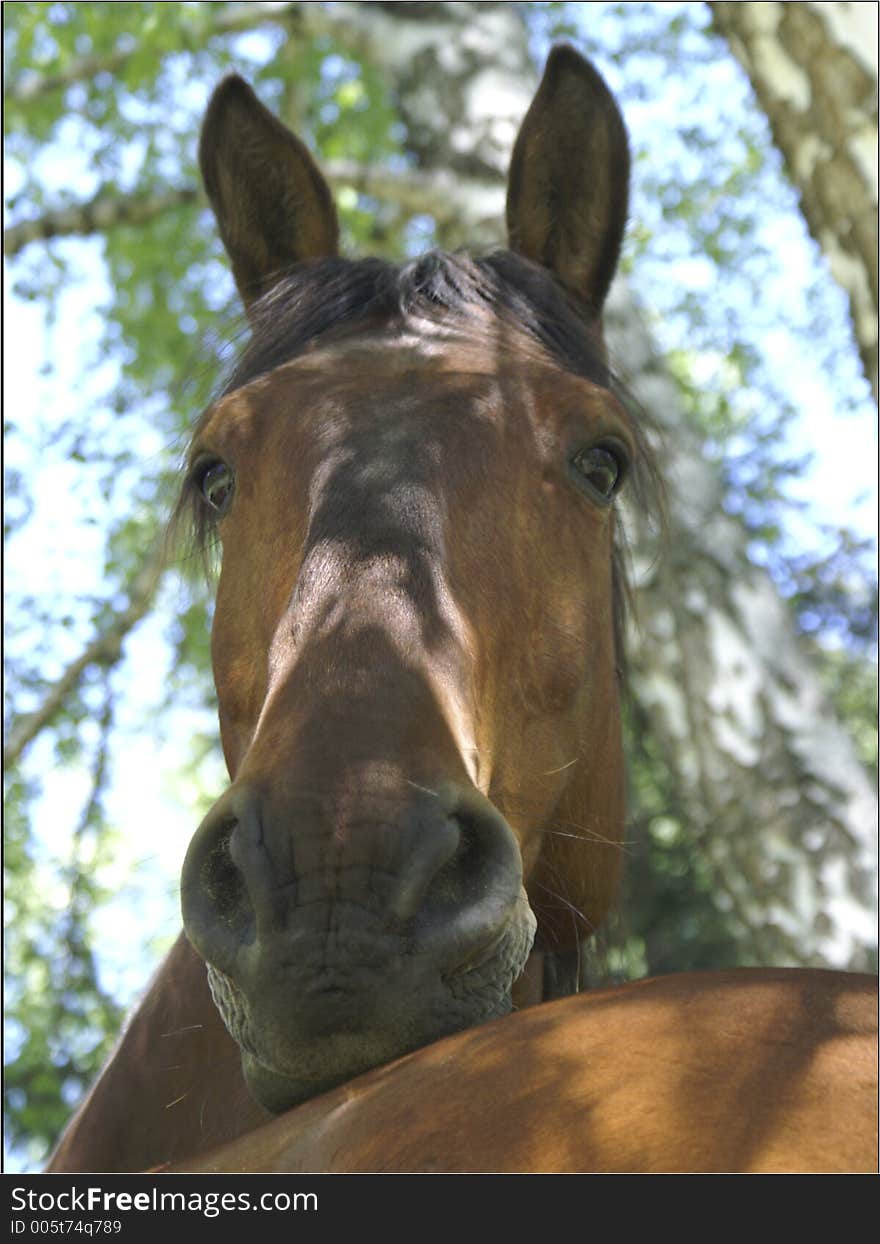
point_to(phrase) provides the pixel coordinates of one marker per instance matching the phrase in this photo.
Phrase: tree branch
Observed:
(104, 211)
(437, 193)
(32, 84)
(467, 203)
(105, 649)
(231, 19)
(345, 22)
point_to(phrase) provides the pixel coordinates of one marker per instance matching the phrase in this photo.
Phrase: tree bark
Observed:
(813, 68)
(769, 783)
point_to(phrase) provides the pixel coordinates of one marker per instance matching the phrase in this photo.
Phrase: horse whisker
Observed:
(549, 772)
(424, 789)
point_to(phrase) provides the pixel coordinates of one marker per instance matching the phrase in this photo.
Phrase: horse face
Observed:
(414, 639)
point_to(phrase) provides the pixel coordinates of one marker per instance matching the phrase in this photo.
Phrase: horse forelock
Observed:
(331, 299)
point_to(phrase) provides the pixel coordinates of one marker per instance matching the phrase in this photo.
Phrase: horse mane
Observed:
(330, 299)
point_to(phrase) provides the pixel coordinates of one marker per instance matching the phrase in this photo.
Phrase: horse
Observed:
(753, 1071)
(413, 476)
(742, 1070)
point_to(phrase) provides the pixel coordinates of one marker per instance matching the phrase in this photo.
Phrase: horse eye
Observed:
(602, 467)
(216, 485)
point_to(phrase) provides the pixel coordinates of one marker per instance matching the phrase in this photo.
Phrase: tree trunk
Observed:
(813, 68)
(767, 780)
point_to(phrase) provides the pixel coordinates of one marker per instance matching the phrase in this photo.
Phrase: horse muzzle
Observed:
(333, 950)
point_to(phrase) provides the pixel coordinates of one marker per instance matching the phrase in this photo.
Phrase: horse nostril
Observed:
(471, 877)
(436, 844)
(223, 883)
(218, 914)
(460, 874)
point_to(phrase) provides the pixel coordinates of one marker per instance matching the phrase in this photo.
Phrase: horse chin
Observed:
(276, 1092)
(342, 1056)
(291, 1054)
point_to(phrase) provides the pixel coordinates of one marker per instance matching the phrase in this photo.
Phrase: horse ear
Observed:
(568, 184)
(272, 205)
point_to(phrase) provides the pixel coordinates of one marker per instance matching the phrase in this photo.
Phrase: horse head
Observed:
(412, 475)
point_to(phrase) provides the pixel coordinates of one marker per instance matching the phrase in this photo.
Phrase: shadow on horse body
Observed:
(412, 475)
